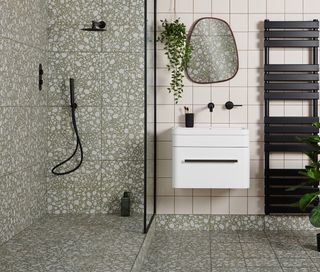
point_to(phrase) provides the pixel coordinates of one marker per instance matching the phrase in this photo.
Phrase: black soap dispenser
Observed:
(125, 204)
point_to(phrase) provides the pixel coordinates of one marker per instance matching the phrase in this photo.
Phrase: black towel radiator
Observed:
(288, 82)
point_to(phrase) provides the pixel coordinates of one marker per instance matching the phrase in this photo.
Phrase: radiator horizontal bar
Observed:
(291, 96)
(290, 24)
(291, 68)
(290, 129)
(285, 192)
(284, 138)
(291, 120)
(291, 34)
(283, 172)
(291, 86)
(286, 209)
(291, 77)
(285, 182)
(289, 200)
(297, 147)
(291, 43)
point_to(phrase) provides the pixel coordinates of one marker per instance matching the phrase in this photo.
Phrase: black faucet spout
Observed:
(211, 106)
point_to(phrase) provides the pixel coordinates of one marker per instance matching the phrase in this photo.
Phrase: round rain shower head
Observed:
(96, 26)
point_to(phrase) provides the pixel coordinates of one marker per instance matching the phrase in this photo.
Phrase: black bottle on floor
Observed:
(125, 204)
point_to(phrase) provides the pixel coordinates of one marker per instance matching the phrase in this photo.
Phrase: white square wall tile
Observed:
(256, 187)
(239, 95)
(255, 77)
(165, 205)
(256, 169)
(243, 59)
(184, 6)
(201, 192)
(239, 22)
(255, 114)
(256, 41)
(201, 95)
(256, 132)
(164, 187)
(201, 205)
(179, 112)
(275, 6)
(220, 95)
(220, 115)
(239, 6)
(220, 205)
(255, 59)
(239, 114)
(164, 168)
(257, 6)
(164, 131)
(255, 205)
(240, 79)
(164, 150)
(165, 113)
(202, 6)
(238, 205)
(255, 96)
(183, 205)
(294, 6)
(311, 6)
(186, 96)
(165, 6)
(202, 114)
(164, 97)
(183, 192)
(220, 6)
(238, 192)
(256, 22)
(241, 40)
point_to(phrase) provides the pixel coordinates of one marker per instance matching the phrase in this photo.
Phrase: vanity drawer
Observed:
(211, 167)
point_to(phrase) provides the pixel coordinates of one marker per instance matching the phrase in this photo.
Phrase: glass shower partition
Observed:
(150, 114)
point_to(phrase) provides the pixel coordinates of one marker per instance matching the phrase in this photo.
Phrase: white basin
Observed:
(210, 158)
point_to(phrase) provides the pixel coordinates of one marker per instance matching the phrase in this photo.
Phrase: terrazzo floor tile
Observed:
(233, 251)
(71, 243)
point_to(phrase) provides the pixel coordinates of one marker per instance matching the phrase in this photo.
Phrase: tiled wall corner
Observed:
(23, 46)
(246, 19)
(108, 68)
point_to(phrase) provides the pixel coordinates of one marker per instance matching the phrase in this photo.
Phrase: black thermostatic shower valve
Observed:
(40, 77)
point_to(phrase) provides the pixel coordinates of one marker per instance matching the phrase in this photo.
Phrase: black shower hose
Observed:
(79, 145)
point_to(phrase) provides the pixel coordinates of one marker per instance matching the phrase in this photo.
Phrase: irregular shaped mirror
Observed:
(215, 55)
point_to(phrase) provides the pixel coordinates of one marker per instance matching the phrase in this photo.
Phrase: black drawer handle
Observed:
(218, 161)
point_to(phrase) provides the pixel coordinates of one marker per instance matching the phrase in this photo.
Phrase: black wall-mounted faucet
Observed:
(229, 105)
(211, 106)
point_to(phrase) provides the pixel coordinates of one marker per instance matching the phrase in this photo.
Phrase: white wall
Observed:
(246, 19)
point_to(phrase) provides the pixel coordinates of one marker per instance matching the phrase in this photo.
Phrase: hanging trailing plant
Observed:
(178, 51)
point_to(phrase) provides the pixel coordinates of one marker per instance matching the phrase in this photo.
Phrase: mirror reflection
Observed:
(215, 56)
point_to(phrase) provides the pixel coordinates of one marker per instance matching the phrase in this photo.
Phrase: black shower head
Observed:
(96, 26)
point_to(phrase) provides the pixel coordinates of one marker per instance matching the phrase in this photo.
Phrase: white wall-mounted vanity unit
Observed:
(210, 158)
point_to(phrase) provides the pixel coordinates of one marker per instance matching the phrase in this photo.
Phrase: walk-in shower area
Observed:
(159, 136)
(77, 134)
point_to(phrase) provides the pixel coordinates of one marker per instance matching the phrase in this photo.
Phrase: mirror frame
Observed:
(189, 38)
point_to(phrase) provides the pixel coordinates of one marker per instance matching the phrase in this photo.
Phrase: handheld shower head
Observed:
(72, 100)
(96, 26)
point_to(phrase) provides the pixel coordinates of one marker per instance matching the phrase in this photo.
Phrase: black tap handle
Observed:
(211, 106)
(229, 105)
